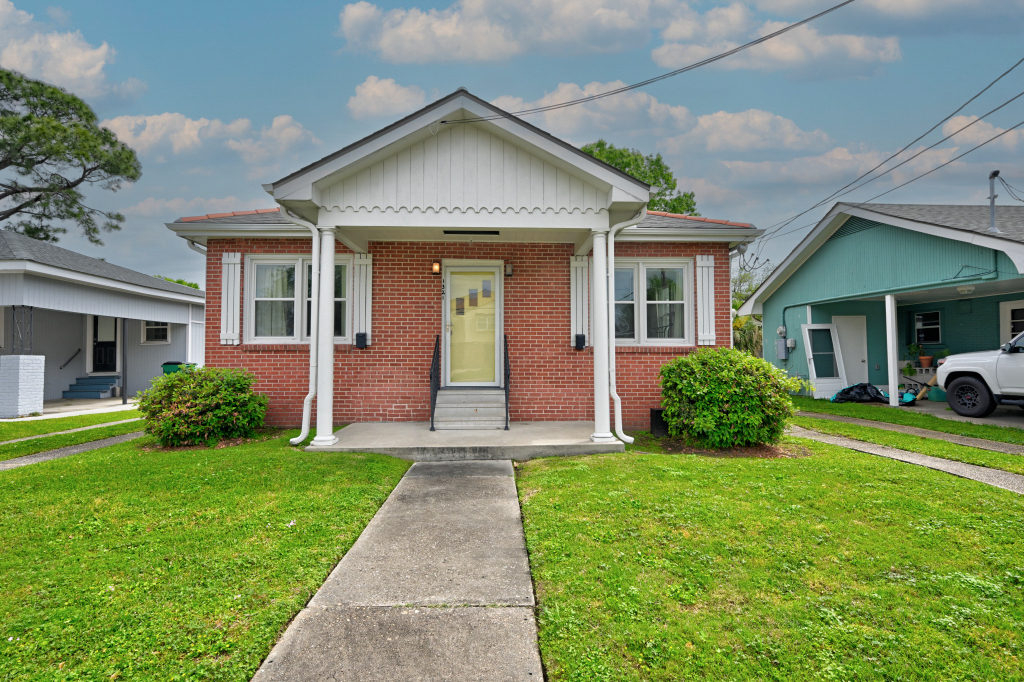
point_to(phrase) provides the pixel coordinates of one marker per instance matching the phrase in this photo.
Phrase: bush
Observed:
(202, 405)
(721, 398)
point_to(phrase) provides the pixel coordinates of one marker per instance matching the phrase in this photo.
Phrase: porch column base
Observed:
(604, 438)
(321, 441)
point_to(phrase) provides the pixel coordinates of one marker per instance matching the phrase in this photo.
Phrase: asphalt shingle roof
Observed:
(261, 216)
(14, 246)
(1009, 219)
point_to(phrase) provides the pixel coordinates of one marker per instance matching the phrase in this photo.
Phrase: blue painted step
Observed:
(92, 387)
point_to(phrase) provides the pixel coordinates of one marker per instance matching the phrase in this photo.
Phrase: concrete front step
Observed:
(90, 395)
(92, 387)
(470, 409)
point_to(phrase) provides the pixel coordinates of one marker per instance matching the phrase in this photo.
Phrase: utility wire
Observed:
(958, 156)
(783, 223)
(840, 193)
(670, 74)
(1011, 190)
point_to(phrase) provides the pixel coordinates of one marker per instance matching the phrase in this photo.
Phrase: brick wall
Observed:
(389, 381)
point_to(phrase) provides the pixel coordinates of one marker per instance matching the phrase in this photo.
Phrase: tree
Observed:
(51, 148)
(651, 169)
(747, 329)
(182, 282)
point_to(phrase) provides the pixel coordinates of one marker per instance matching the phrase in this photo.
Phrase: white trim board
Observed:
(33, 268)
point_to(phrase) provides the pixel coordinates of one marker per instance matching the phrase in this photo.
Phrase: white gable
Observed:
(463, 169)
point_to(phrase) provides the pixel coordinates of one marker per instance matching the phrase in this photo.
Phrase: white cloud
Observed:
(981, 131)
(145, 133)
(749, 130)
(178, 207)
(626, 113)
(283, 135)
(376, 97)
(913, 9)
(803, 47)
(64, 59)
(482, 30)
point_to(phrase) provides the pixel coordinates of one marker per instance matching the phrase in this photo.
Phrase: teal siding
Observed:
(869, 259)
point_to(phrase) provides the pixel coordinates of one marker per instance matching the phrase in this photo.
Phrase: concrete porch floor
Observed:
(415, 441)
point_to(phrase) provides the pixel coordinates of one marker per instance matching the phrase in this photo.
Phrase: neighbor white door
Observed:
(824, 359)
(1011, 320)
(853, 337)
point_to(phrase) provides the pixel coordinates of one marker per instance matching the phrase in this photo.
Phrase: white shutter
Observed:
(362, 296)
(230, 298)
(705, 300)
(579, 292)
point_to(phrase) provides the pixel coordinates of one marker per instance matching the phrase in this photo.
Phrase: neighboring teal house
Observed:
(870, 279)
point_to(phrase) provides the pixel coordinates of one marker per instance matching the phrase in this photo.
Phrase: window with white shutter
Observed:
(230, 298)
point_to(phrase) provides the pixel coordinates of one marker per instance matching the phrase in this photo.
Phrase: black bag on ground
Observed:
(860, 393)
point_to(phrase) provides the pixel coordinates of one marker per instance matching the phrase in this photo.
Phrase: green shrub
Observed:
(721, 398)
(202, 405)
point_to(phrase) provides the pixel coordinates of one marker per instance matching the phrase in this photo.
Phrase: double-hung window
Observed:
(279, 303)
(156, 333)
(928, 328)
(653, 302)
(340, 299)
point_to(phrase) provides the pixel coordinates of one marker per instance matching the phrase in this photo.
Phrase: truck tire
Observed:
(970, 397)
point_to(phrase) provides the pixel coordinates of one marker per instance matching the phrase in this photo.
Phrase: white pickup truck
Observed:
(976, 383)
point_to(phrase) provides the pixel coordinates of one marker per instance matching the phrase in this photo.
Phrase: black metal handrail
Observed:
(508, 376)
(435, 378)
(70, 359)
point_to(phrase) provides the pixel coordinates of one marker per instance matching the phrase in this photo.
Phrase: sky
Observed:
(218, 98)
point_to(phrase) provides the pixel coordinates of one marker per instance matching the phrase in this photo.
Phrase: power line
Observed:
(942, 165)
(1011, 189)
(783, 223)
(670, 74)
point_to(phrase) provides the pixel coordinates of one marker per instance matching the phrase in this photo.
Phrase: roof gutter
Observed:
(195, 247)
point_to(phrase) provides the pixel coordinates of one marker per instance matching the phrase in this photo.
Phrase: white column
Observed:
(599, 290)
(325, 344)
(892, 349)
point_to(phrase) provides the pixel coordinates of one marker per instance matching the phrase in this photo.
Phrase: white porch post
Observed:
(892, 348)
(599, 334)
(325, 343)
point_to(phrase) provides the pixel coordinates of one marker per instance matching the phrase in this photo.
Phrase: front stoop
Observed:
(415, 441)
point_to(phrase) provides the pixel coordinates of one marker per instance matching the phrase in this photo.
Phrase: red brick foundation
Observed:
(389, 381)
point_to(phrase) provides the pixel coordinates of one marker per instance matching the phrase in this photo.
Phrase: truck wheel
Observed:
(970, 397)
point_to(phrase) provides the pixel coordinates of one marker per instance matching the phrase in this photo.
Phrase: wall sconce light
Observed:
(965, 290)
(436, 267)
(508, 269)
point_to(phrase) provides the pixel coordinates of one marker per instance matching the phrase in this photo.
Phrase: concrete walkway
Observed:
(67, 451)
(980, 443)
(61, 433)
(437, 587)
(73, 408)
(993, 477)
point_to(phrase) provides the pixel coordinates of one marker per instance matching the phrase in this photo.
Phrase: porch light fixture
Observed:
(435, 267)
(508, 269)
(965, 290)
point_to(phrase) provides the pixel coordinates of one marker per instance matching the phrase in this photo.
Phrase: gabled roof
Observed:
(261, 216)
(969, 224)
(18, 247)
(1009, 219)
(433, 106)
(663, 219)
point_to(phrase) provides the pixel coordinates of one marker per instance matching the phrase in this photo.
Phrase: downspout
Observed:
(314, 315)
(610, 275)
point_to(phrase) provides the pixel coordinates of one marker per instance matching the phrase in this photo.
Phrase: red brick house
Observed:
(462, 249)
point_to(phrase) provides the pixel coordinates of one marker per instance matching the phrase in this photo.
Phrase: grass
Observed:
(30, 447)
(123, 563)
(839, 566)
(907, 417)
(926, 446)
(12, 430)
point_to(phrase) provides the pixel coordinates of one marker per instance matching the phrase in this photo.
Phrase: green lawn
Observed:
(908, 417)
(926, 446)
(12, 430)
(185, 565)
(30, 447)
(838, 565)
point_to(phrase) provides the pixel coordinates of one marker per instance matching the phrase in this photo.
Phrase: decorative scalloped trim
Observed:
(464, 211)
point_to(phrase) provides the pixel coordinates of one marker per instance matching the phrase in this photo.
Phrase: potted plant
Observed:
(926, 360)
(914, 350)
(908, 370)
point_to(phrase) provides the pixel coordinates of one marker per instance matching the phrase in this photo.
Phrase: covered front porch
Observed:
(415, 441)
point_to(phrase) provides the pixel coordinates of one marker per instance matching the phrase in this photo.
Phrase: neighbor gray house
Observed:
(99, 326)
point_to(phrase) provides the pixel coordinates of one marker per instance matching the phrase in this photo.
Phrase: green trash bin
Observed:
(937, 394)
(172, 367)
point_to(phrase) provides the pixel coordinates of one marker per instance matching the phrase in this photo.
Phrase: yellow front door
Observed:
(473, 327)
